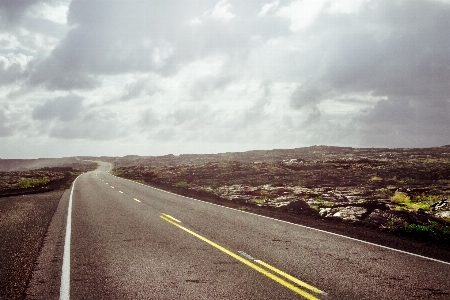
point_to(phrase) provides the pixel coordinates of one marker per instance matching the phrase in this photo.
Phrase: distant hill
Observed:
(312, 153)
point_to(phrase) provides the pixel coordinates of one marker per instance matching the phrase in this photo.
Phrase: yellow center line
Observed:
(246, 262)
(291, 278)
(172, 218)
(136, 200)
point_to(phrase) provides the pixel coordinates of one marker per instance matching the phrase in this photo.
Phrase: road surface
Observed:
(126, 240)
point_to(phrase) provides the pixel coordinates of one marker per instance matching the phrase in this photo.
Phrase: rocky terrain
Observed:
(397, 190)
(41, 180)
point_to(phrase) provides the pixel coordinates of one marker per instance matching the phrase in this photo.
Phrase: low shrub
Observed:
(433, 229)
(182, 184)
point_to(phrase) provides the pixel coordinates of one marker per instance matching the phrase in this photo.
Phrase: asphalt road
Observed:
(131, 241)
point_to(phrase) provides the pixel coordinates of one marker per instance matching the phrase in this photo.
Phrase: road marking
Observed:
(64, 290)
(136, 200)
(172, 218)
(247, 262)
(107, 183)
(287, 276)
(121, 192)
(299, 225)
(112, 187)
(247, 256)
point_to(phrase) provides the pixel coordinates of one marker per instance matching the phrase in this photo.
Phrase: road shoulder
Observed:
(46, 277)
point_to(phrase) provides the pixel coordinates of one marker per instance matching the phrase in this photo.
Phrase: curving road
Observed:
(131, 241)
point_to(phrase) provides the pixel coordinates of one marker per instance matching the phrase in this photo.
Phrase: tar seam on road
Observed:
(64, 291)
(299, 225)
(256, 267)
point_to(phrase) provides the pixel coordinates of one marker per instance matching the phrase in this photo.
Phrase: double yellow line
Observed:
(256, 267)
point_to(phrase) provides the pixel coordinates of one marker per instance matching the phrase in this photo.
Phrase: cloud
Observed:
(96, 125)
(148, 120)
(114, 37)
(134, 88)
(222, 11)
(5, 130)
(387, 53)
(308, 95)
(55, 11)
(186, 74)
(268, 7)
(405, 123)
(12, 11)
(301, 13)
(13, 67)
(313, 117)
(63, 108)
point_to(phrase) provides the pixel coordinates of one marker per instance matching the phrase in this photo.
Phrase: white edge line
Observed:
(303, 226)
(64, 291)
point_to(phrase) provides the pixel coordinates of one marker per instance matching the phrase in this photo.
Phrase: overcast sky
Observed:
(104, 77)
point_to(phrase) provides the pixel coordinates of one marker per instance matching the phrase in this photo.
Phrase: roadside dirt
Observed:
(23, 223)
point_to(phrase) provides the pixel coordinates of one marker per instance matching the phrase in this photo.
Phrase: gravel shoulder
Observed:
(24, 221)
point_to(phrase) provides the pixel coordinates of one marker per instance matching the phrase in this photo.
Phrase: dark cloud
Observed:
(11, 72)
(405, 123)
(63, 108)
(313, 117)
(309, 95)
(394, 49)
(94, 125)
(11, 11)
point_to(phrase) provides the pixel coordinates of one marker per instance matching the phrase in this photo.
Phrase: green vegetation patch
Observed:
(433, 229)
(266, 198)
(118, 172)
(324, 203)
(31, 183)
(423, 202)
(376, 178)
(182, 184)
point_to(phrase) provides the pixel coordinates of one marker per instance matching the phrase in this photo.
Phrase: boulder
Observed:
(443, 215)
(347, 213)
